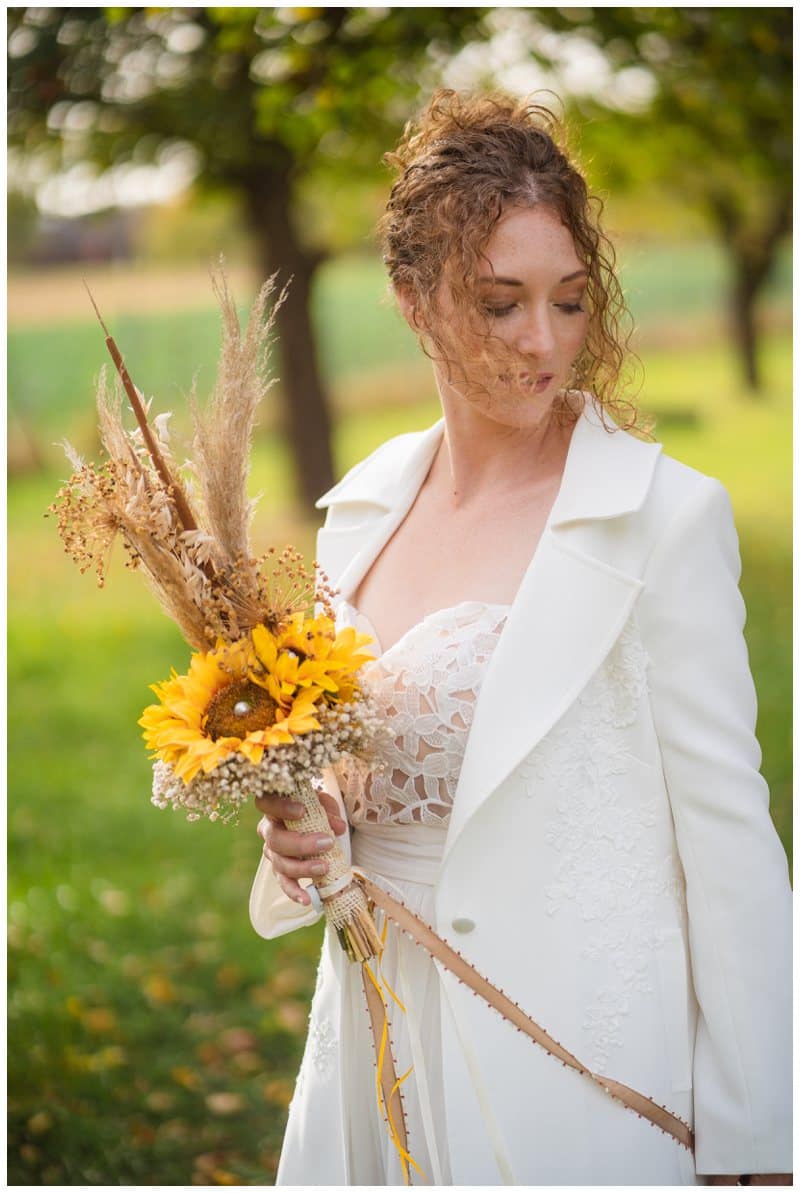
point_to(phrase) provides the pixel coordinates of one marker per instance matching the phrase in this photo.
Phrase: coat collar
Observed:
(607, 473)
(570, 608)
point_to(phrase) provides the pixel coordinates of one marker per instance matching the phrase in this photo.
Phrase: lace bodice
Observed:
(426, 686)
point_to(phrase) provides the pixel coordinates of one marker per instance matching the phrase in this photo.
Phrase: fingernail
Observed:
(319, 868)
(323, 842)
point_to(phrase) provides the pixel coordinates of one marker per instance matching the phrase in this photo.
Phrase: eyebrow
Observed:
(570, 277)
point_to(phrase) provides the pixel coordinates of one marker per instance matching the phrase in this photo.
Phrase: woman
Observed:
(573, 798)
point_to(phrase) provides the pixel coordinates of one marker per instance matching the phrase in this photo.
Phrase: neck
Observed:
(480, 456)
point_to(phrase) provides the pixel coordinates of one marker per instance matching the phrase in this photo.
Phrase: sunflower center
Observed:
(239, 708)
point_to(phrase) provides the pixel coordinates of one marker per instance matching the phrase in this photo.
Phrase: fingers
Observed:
(293, 889)
(338, 825)
(295, 855)
(295, 845)
(279, 807)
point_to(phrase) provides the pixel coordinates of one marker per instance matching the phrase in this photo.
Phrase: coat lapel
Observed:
(569, 609)
(370, 507)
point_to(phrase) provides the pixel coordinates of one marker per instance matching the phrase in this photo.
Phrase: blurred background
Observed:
(153, 1038)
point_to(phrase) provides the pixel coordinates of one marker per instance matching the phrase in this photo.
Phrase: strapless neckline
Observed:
(437, 613)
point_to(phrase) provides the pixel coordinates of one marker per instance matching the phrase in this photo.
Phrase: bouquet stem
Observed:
(346, 906)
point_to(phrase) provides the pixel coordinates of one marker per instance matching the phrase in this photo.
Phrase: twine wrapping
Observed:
(347, 910)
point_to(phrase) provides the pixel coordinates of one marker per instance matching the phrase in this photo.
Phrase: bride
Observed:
(572, 798)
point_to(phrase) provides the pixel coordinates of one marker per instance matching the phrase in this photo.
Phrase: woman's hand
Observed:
(295, 855)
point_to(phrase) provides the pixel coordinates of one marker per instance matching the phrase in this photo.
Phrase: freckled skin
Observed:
(537, 319)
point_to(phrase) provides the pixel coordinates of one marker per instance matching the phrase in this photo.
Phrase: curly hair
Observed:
(465, 161)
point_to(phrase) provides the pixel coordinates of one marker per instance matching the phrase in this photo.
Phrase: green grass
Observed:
(139, 993)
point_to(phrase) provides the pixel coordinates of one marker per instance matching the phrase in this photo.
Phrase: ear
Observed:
(407, 301)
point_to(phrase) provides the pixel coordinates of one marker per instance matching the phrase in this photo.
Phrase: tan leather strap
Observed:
(388, 1074)
(423, 934)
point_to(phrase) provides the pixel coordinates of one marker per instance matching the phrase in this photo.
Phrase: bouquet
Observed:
(271, 694)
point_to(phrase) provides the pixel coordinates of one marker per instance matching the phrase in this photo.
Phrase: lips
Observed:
(536, 381)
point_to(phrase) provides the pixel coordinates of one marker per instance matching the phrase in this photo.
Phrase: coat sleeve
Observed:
(737, 882)
(272, 913)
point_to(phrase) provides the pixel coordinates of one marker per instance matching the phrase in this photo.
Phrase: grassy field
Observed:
(153, 1038)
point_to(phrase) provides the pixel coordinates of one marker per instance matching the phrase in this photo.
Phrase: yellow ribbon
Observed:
(384, 1106)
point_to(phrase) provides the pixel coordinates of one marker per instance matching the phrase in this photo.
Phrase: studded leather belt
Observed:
(423, 934)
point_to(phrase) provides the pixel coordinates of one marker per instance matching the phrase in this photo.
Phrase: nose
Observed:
(535, 337)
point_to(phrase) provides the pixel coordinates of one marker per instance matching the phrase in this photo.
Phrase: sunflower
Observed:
(220, 708)
(307, 653)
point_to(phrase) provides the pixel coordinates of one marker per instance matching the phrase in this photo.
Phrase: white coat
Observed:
(610, 842)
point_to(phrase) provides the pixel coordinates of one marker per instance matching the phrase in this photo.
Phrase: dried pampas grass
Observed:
(190, 540)
(223, 432)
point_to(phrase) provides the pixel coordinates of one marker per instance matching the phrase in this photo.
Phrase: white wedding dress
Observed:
(426, 685)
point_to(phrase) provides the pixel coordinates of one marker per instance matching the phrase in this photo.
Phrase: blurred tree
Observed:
(22, 226)
(718, 130)
(265, 96)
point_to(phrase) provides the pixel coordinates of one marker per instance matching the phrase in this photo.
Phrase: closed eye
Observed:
(569, 308)
(499, 312)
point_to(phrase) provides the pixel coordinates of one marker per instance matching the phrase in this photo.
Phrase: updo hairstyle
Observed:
(460, 166)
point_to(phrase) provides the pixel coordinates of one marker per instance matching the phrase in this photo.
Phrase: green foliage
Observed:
(255, 89)
(719, 127)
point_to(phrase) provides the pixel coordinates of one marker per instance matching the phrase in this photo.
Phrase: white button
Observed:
(463, 925)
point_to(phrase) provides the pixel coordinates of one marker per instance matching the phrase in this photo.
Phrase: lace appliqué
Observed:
(606, 863)
(319, 1051)
(320, 1044)
(426, 686)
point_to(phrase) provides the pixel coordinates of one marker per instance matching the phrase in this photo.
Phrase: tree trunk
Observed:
(307, 409)
(743, 313)
(752, 251)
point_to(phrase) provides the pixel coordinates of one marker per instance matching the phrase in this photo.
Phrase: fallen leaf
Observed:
(74, 1006)
(290, 980)
(208, 922)
(40, 1122)
(238, 1039)
(278, 1091)
(208, 1053)
(159, 989)
(220, 1177)
(247, 1062)
(160, 1100)
(142, 1134)
(229, 976)
(132, 966)
(293, 1016)
(95, 1062)
(185, 1077)
(261, 996)
(174, 1128)
(225, 1102)
(207, 1161)
(202, 1022)
(115, 902)
(99, 1020)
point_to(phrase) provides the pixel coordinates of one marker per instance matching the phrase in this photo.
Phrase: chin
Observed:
(521, 403)
(524, 413)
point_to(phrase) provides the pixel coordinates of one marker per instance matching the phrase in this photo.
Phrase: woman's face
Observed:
(531, 290)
